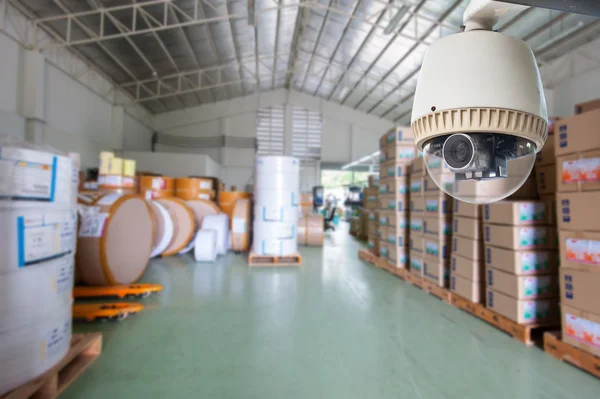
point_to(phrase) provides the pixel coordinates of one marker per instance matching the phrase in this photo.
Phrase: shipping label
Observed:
(92, 224)
(583, 251)
(55, 341)
(537, 286)
(532, 237)
(43, 236)
(534, 261)
(536, 310)
(432, 205)
(583, 330)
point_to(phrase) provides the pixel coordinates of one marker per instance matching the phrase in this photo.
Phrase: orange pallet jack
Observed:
(105, 311)
(118, 291)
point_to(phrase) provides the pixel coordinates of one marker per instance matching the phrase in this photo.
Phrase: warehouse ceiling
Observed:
(173, 54)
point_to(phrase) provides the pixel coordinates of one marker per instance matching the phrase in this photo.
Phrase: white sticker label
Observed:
(583, 330)
(92, 225)
(108, 199)
(205, 185)
(536, 310)
(45, 235)
(271, 247)
(272, 213)
(128, 181)
(533, 261)
(204, 196)
(27, 174)
(148, 195)
(156, 183)
(113, 180)
(239, 225)
(55, 341)
(536, 286)
(532, 212)
(64, 277)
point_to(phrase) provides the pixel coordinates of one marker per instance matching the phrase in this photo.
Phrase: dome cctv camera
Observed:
(479, 112)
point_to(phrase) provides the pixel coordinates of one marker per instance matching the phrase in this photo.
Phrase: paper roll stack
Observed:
(115, 238)
(190, 188)
(310, 230)
(37, 244)
(183, 224)
(240, 225)
(156, 187)
(116, 175)
(277, 184)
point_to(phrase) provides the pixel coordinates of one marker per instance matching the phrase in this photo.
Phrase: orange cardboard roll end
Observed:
(189, 188)
(114, 239)
(155, 187)
(227, 200)
(183, 224)
(201, 208)
(240, 223)
(310, 230)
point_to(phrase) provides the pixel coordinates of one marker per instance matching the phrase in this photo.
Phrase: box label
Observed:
(536, 286)
(402, 189)
(42, 236)
(432, 205)
(416, 225)
(536, 310)
(403, 224)
(383, 221)
(583, 251)
(406, 153)
(391, 238)
(416, 264)
(415, 187)
(531, 261)
(530, 237)
(384, 251)
(532, 212)
(581, 170)
(432, 248)
(583, 330)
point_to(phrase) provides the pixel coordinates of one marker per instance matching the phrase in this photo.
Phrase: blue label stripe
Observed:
(53, 183)
(294, 204)
(21, 240)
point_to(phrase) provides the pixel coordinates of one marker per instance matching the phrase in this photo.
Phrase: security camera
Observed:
(479, 108)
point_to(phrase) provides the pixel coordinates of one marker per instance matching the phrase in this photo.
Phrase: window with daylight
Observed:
(270, 130)
(306, 134)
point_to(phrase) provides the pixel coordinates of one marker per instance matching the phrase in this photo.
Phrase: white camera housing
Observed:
(481, 82)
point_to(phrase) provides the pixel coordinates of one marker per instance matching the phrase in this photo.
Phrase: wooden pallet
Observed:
(85, 348)
(255, 260)
(526, 333)
(554, 346)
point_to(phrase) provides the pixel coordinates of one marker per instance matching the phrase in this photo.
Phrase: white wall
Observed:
(578, 89)
(136, 135)
(11, 123)
(175, 164)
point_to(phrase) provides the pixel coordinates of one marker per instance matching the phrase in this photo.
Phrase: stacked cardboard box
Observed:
(371, 202)
(467, 263)
(577, 148)
(416, 216)
(519, 254)
(397, 150)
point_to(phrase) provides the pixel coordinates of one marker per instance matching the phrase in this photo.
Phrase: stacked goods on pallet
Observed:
(276, 192)
(397, 151)
(416, 216)
(520, 245)
(437, 224)
(189, 188)
(363, 217)
(371, 203)
(38, 192)
(153, 187)
(577, 146)
(372, 232)
(116, 174)
(467, 277)
(306, 204)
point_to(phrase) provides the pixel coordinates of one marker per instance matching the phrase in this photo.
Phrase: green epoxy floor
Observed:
(334, 328)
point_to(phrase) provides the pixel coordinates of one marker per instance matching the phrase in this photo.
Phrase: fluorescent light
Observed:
(396, 19)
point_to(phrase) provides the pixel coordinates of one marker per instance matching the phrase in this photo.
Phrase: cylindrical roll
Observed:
(277, 172)
(301, 231)
(205, 248)
(219, 223)
(183, 224)
(188, 188)
(115, 239)
(240, 225)
(277, 198)
(275, 213)
(283, 231)
(155, 187)
(30, 293)
(190, 245)
(201, 209)
(163, 228)
(315, 234)
(274, 247)
(33, 349)
(227, 200)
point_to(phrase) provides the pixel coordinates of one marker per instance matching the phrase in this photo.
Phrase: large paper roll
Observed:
(275, 213)
(315, 235)
(30, 293)
(202, 208)
(277, 198)
(219, 223)
(28, 351)
(240, 225)
(282, 231)
(205, 247)
(115, 238)
(287, 181)
(190, 245)
(274, 247)
(183, 224)
(301, 231)
(227, 200)
(163, 228)
(276, 164)
(29, 236)
(30, 178)
(188, 188)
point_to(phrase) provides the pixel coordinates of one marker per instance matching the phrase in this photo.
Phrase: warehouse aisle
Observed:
(336, 328)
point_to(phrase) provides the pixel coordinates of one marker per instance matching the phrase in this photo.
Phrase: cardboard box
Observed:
(528, 191)
(417, 245)
(416, 225)
(578, 172)
(418, 169)
(579, 250)
(397, 203)
(521, 287)
(438, 205)
(516, 213)
(398, 238)
(384, 216)
(587, 106)
(383, 186)
(373, 244)
(546, 156)
(467, 227)
(436, 272)
(522, 263)
(445, 179)
(436, 227)
(372, 229)
(523, 311)
(578, 211)
(494, 190)
(473, 291)
(402, 223)
(395, 185)
(383, 248)
(551, 124)
(416, 263)
(374, 216)
(437, 249)
(545, 178)
(393, 169)
(550, 201)
(371, 198)
(404, 153)
(437, 166)
(580, 329)
(467, 248)
(519, 237)
(467, 209)
(373, 181)
(401, 135)
(417, 205)
(578, 133)
(579, 289)
(467, 268)
(382, 233)
(416, 185)
(398, 257)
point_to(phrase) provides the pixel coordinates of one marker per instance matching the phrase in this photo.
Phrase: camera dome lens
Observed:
(458, 151)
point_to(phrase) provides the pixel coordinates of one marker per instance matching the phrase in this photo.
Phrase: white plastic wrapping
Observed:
(32, 292)
(263, 245)
(275, 213)
(219, 223)
(30, 350)
(283, 231)
(277, 164)
(277, 198)
(167, 233)
(205, 246)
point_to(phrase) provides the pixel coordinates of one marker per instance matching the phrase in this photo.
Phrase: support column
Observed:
(117, 127)
(34, 90)
(287, 129)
